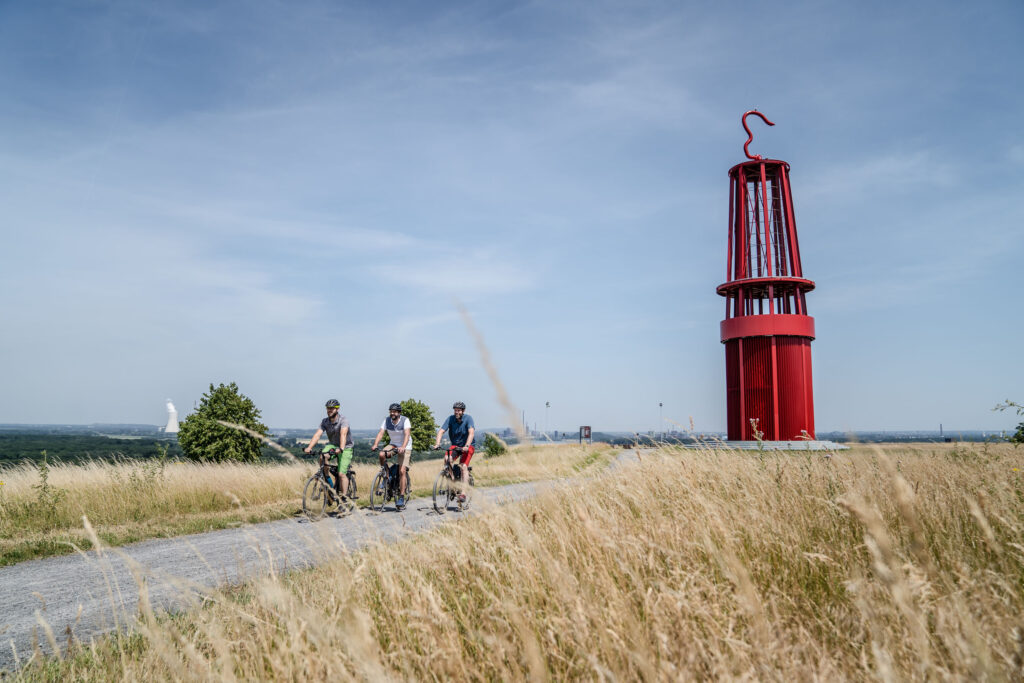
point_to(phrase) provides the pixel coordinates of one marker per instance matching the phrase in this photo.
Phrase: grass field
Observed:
(41, 510)
(884, 563)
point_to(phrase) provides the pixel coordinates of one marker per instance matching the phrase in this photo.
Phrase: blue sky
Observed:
(292, 196)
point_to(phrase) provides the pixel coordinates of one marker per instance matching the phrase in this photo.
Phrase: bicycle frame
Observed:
(330, 476)
(447, 486)
(451, 461)
(389, 487)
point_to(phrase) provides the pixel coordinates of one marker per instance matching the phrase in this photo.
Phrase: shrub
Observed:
(493, 445)
(203, 437)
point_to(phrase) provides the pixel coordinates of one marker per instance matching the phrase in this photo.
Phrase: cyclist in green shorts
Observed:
(335, 425)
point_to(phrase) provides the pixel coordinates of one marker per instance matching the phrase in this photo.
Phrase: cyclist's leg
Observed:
(404, 457)
(464, 461)
(328, 455)
(344, 460)
(385, 454)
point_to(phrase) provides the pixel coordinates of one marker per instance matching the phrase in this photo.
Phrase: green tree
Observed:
(493, 445)
(424, 429)
(202, 436)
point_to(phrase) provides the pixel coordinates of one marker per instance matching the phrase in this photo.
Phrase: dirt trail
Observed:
(89, 595)
(92, 595)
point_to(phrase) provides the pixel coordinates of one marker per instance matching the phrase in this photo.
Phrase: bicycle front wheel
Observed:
(314, 499)
(442, 493)
(379, 492)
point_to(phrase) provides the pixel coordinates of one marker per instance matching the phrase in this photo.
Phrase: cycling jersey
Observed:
(396, 430)
(458, 432)
(333, 430)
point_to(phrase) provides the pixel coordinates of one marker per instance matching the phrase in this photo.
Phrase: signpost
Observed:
(585, 434)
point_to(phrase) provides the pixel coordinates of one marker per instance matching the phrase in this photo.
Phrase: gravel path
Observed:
(89, 595)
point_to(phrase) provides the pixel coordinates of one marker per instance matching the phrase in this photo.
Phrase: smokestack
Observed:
(172, 419)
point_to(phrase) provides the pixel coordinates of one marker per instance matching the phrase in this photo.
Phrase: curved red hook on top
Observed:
(750, 136)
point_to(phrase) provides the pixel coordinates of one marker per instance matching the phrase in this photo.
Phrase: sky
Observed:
(297, 197)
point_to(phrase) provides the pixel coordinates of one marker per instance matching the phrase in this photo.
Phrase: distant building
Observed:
(172, 419)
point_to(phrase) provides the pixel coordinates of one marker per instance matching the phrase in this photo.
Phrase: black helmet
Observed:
(333, 403)
(395, 406)
(459, 405)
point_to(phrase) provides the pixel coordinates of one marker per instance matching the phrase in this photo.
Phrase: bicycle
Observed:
(448, 483)
(386, 485)
(319, 492)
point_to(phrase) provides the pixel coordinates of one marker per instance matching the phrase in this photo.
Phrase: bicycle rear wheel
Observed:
(379, 492)
(352, 491)
(314, 499)
(442, 492)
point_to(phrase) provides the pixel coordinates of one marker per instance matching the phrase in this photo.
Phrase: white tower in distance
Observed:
(172, 419)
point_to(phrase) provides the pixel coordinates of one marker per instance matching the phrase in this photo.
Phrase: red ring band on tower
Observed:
(767, 326)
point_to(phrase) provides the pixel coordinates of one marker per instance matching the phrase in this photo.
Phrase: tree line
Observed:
(77, 448)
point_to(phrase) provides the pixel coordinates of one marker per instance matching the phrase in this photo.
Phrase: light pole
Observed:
(547, 404)
(661, 422)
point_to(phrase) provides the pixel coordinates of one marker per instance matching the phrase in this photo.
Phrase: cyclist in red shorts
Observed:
(462, 434)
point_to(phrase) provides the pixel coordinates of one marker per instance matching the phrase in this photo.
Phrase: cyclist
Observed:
(399, 430)
(335, 425)
(462, 433)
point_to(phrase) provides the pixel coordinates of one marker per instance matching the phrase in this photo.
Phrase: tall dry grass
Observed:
(131, 501)
(893, 563)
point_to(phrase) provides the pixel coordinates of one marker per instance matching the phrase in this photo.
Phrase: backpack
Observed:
(394, 477)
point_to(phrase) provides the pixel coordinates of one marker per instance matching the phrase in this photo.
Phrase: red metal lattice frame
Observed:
(767, 331)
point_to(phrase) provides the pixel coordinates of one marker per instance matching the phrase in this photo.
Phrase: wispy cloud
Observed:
(886, 174)
(469, 273)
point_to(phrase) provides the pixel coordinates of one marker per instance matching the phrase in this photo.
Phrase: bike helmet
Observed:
(459, 405)
(333, 403)
(395, 406)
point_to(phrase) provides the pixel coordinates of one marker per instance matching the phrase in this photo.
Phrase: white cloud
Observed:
(886, 174)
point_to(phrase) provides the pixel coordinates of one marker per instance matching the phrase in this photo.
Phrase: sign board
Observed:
(585, 433)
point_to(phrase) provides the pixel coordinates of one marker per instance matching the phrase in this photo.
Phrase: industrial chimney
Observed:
(172, 419)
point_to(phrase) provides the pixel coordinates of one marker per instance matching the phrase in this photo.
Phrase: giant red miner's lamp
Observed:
(767, 332)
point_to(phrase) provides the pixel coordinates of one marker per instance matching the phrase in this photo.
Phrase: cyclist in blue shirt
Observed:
(462, 433)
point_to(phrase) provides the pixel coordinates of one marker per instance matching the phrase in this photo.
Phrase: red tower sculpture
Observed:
(767, 332)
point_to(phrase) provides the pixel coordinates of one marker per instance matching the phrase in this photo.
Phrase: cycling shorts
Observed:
(344, 458)
(403, 458)
(463, 458)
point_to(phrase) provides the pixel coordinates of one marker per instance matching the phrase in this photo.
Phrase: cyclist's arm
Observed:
(380, 435)
(407, 439)
(440, 433)
(312, 442)
(469, 438)
(344, 438)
